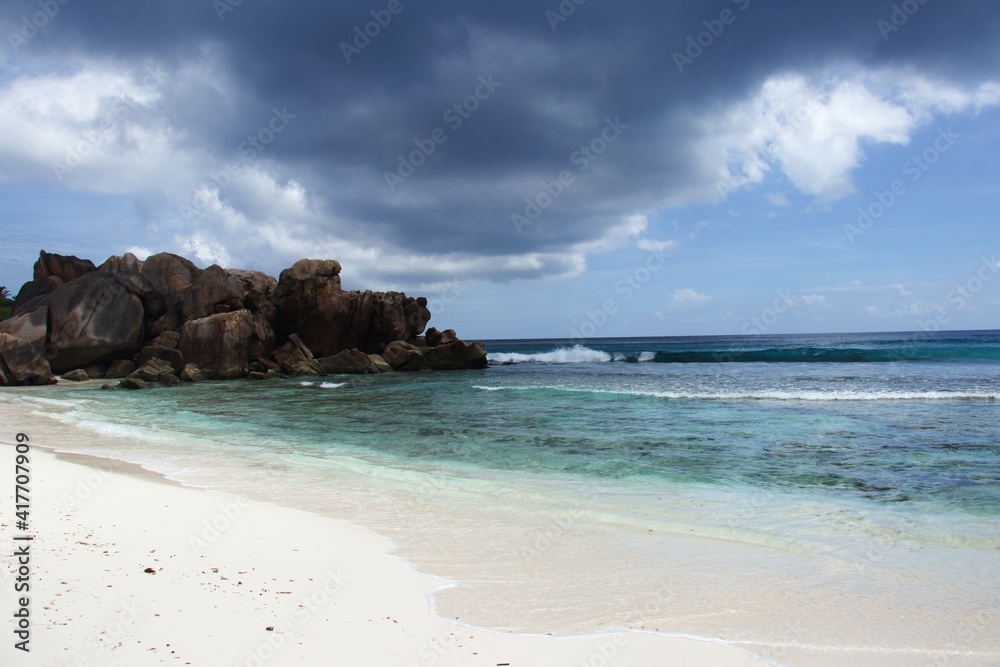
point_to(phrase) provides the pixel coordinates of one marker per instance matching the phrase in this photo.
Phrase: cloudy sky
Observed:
(535, 168)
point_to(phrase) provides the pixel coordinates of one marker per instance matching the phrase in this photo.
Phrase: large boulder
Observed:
(91, 320)
(21, 363)
(213, 291)
(169, 355)
(258, 288)
(296, 359)
(154, 302)
(219, 344)
(67, 268)
(349, 362)
(454, 356)
(32, 327)
(310, 302)
(35, 294)
(116, 263)
(172, 275)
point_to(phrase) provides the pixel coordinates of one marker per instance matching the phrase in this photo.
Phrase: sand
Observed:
(127, 568)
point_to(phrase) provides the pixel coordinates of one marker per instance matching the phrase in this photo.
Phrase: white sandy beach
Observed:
(241, 583)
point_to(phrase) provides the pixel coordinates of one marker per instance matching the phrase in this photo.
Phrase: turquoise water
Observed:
(802, 455)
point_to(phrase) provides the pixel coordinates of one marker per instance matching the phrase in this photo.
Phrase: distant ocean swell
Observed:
(581, 354)
(766, 395)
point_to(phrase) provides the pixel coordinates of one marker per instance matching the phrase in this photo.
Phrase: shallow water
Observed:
(848, 502)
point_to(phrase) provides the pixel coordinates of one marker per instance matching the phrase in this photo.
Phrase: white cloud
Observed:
(657, 246)
(814, 128)
(688, 297)
(778, 200)
(813, 300)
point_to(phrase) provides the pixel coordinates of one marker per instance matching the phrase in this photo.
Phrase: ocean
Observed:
(816, 499)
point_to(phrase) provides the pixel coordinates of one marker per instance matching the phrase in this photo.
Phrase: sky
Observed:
(547, 168)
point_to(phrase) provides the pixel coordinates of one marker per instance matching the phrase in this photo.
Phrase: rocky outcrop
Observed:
(93, 319)
(214, 291)
(21, 363)
(78, 375)
(120, 368)
(219, 323)
(349, 362)
(218, 344)
(126, 262)
(295, 358)
(457, 355)
(331, 321)
(32, 327)
(66, 268)
(35, 294)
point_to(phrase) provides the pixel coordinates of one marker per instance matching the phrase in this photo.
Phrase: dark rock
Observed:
(170, 380)
(134, 383)
(262, 341)
(296, 359)
(433, 337)
(399, 353)
(126, 262)
(96, 371)
(21, 363)
(168, 339)
(78, 375)
(213, 291)
(32, 326)
(171, 275)
(380, 364)
(455, 356)
(152, 370)
(219, 344)
(258, 288)
(332, 321)
(269, 365)
(348, 362)
(192, 373)
(448, 336)
(91, 320)
(168, 354)
(153, 300)
(35, 294)
(120, 368)
(68, 268)
(254, 375)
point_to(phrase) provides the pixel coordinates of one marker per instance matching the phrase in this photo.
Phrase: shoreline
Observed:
(125, 500)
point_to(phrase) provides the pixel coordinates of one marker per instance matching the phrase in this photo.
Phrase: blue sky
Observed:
(719, 199)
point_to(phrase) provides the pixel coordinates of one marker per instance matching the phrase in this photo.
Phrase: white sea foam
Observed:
(331, 385)
(577, 354)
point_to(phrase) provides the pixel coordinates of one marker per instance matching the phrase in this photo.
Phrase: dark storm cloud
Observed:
(557, 90)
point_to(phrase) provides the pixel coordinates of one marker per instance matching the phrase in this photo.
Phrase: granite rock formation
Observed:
(163, 320)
